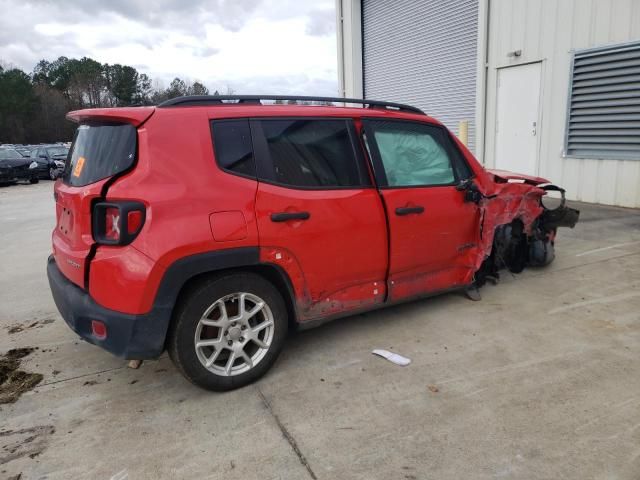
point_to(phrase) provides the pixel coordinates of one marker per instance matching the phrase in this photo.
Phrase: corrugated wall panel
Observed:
(423, 53)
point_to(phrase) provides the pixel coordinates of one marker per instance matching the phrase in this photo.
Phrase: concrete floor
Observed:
(539, 380)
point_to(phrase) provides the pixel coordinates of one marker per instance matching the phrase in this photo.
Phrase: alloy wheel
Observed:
(234, 334)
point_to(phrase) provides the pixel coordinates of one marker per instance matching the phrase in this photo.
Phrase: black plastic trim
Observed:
(286, 216)
(124, 208)
(207, 100)
(561, 216)
(401, 211)
(139, 336)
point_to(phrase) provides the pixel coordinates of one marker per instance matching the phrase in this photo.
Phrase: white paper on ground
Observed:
(393, 357)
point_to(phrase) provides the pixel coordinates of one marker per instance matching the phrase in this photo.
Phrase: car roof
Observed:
(238, 106)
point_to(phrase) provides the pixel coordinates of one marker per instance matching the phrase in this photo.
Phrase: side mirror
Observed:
(464, 185)
(470, 189)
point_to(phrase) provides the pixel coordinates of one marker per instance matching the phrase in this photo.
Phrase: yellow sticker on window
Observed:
(78, 168)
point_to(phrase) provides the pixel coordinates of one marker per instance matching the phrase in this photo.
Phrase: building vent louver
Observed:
(604, 104)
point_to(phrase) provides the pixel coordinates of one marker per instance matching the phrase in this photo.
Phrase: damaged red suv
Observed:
(210, 226)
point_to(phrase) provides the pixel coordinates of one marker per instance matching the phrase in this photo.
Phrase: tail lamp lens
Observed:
(117, 223)
(112, 224)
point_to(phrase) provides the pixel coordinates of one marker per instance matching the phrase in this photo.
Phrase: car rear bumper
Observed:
(15, 174)
(43, 171)
(128, 336)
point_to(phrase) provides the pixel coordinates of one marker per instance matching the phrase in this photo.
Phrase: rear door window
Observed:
(310, 153)
(100, 151)
(232, 146)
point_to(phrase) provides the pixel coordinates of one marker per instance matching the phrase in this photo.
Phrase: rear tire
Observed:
(219, 345)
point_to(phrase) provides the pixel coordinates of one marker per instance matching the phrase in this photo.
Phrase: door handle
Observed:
(409, 210)
(286, 216)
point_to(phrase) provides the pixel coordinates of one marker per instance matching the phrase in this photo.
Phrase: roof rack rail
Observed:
(203, 100)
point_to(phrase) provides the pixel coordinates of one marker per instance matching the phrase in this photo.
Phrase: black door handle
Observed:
(409, 210)
(285, 216)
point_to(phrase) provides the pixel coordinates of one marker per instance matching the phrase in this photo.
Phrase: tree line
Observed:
(33, 106)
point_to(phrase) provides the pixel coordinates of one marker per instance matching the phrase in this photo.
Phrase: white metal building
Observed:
(547, 87)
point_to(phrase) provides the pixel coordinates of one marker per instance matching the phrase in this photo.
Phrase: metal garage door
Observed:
(423, 53)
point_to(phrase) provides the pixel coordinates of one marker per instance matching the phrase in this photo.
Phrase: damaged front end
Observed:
(518, 229)
(541, 249)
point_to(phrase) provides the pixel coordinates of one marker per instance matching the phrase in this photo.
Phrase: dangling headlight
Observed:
(33, 165)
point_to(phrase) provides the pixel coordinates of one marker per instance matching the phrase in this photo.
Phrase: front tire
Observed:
(34, 180)
(228, 331)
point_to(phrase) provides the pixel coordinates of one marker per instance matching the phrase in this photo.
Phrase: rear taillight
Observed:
(112, 224)
(117, 223)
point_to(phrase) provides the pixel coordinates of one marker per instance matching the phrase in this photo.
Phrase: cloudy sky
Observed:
(252, 46)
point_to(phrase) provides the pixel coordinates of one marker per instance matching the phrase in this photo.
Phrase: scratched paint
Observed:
(505, 198)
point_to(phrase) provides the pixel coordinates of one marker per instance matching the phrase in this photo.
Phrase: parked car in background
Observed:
(51, 159)
(284, 216)
(14, 167)
(24, 150)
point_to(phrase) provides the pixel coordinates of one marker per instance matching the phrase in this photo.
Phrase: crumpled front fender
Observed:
(504, 197)
(505, 176)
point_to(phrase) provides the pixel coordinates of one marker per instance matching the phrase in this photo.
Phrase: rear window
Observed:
(58, 151)
(100, 151)
(9, 154)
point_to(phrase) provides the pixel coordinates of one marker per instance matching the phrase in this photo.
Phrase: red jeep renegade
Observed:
(209, 226)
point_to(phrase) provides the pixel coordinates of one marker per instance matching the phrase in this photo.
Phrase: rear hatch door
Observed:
(102, 149)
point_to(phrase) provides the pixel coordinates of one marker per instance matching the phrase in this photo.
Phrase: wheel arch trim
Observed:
(185, 270)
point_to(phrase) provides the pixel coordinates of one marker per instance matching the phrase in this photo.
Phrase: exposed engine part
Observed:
(561, 216)
(541, 252)
(510, 247)
(510, 251)
(541, 244)
(513, 249)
